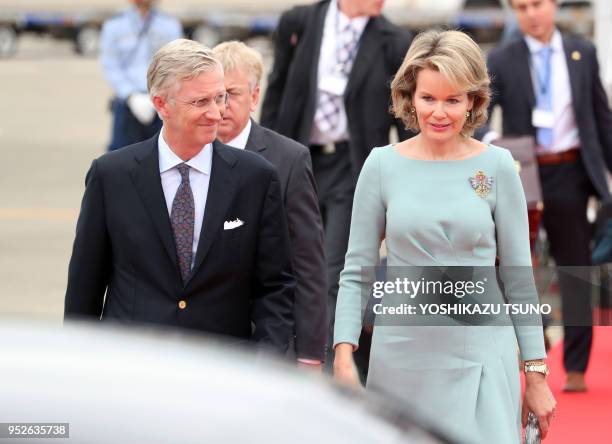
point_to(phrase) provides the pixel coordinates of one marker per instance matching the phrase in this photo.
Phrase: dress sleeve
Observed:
(512, 230)
(366, 234)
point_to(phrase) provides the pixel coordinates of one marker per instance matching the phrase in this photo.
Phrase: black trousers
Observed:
(336, 187)
(566, 189)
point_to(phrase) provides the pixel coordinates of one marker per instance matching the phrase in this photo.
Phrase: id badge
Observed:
(333, 85)
(542, 119)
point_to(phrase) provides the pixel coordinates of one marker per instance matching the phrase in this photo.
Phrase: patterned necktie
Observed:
(182, 218)
(346, 50)
(327, 115)
(544, 136)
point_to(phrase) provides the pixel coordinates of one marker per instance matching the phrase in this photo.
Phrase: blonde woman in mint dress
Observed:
(443, 198)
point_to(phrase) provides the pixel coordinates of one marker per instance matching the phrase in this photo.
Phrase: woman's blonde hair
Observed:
(458, 58)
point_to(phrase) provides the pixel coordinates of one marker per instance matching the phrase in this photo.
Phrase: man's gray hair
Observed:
(176, 61)
(235, 55)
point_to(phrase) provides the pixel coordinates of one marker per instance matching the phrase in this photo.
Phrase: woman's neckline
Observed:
(473, 156)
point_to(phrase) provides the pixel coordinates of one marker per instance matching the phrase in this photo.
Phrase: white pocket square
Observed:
(231, 224)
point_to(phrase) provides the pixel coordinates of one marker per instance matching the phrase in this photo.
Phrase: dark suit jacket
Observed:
(124, 246)
(298, 189)
(290, 102)
(513, 90)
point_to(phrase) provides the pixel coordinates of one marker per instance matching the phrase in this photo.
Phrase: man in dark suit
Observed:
(329, 90)
(182, 230)
(243, 68)
(548, 86)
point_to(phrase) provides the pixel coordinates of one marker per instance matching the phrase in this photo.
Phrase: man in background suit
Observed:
(180, 229)
(329, 90)
(243, 68)
(548, 86)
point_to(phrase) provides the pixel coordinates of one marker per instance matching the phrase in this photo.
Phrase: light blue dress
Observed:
(463, 379)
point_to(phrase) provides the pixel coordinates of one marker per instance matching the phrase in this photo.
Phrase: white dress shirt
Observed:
(565, 131)
(199, 179)
(334, 20)
(241, 139)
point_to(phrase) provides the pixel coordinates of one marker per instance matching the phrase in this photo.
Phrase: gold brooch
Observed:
(576, 55)
(481, 183)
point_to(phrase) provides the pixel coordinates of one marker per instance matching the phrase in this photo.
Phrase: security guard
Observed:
(127, 44)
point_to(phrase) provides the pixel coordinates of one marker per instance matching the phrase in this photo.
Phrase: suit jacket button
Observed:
(182, 304)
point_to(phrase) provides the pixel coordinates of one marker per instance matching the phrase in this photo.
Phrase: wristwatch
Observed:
(536, 366)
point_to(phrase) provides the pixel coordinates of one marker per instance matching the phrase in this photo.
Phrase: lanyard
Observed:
(543, 72)
(129, 58)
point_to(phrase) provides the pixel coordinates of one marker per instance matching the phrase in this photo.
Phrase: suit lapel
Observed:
(147, 179)
(523, 66)
(369, 48)
(221, 189)
(317, 37)
(255, 141)
(574, 70)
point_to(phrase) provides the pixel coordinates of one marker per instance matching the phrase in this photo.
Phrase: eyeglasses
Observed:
(234, 94)
(205, 103)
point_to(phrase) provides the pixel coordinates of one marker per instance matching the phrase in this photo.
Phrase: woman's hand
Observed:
(539, 400)
(345, 370)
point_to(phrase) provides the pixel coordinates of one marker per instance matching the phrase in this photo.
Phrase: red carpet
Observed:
(584, 417)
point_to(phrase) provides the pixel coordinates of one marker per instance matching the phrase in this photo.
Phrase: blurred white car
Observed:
(116, 386)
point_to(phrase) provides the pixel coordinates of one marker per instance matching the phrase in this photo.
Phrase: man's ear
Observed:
(254, 98)
(161, 105)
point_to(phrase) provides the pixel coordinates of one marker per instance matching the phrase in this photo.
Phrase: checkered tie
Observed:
(345, 52)
(327, 115)
(182, 218)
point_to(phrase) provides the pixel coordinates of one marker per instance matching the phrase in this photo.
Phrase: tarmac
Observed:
(53, 123)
